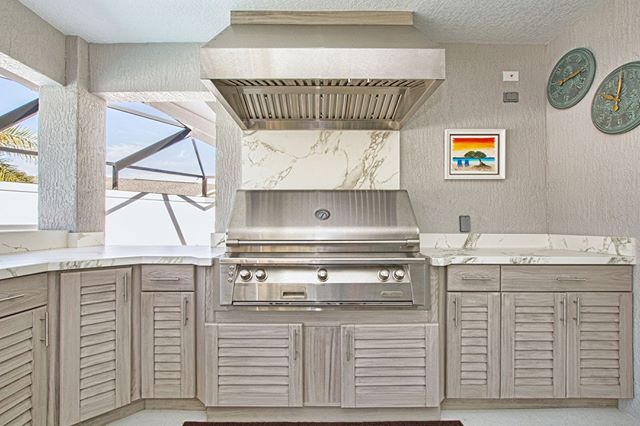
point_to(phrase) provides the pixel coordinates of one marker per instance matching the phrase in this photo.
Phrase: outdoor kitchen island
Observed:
(175, 345)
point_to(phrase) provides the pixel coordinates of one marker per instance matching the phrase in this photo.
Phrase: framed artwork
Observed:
(474, 154)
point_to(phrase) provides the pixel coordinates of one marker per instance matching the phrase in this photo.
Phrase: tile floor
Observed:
(539, 417)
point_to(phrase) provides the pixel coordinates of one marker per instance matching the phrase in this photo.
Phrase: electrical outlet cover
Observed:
(510, 76)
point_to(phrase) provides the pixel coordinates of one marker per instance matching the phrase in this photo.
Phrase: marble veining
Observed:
(526, 249)
(321, 160)
(14, 265)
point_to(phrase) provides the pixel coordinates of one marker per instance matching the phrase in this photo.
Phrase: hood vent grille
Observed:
(285, 104)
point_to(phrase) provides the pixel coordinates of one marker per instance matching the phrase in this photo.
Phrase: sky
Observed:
(125, 134)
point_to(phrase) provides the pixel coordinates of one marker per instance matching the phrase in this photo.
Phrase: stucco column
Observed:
(71, 160)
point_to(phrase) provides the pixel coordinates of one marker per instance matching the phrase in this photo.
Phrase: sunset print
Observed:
(474, 154)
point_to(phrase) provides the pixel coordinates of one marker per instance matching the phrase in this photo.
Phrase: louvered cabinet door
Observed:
(390, 365)
(254, 365)
(23, 369)
(599, 345)
(95, 343)
(168, 345)
(473, 345)
(533, 345)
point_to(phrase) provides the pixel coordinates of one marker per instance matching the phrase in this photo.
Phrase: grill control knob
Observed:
(323, 274)
(398, 274)
(384, 274)
(245, 274)
(261, 275)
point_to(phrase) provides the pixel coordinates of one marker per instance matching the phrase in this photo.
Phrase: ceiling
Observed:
(473, 21)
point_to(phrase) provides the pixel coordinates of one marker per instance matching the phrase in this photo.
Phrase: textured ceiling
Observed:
(475, 21)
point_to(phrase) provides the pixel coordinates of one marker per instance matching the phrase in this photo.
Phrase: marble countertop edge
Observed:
(15, 265)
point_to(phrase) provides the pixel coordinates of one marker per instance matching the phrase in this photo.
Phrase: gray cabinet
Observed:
(95, 343)
(253, 365)
(23, 368)
(599, 339)
(168, 352)
(473, 345)
(533, 345)
(390, 365)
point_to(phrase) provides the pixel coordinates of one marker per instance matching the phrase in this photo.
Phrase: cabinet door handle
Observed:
(563, 311)
(11, 297)
(46, 329)
(455, 310)
(349, 344)
(578, 311)
(296, 342)
(126, 286)
(570, 279)
(476, 278)
(186, 311)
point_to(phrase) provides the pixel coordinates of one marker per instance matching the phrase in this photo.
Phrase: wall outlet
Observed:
(510, 75)
(465, 223)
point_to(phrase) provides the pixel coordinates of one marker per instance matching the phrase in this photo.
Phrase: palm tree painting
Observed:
(475, 154)
(21, 138)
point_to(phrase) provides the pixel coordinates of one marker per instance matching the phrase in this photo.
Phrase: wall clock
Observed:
(616, 104)
(571, 78)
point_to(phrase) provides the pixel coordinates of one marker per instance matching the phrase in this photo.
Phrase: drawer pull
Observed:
(391, 294)
(570, 279)
(164, 279)
(294, 295)
(476, 278)
(11, 297)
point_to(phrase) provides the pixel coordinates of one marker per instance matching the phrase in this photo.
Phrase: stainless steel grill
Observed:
(323, 249)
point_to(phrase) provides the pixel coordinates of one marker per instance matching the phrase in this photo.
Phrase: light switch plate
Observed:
(510, 75)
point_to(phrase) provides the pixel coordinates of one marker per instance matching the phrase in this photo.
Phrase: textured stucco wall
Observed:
(158, 72)
(71, 163)
(228, 165)
(471, 97)
(29, 46)
(594, 182)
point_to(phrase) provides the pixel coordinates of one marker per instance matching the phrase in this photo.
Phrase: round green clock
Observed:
(616, 104)
(571, 78)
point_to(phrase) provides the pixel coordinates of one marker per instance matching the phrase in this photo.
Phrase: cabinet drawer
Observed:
(566, 278)
(21, 294)
(473, 278)
(167, 278)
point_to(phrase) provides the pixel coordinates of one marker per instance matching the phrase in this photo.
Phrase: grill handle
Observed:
(293, 294)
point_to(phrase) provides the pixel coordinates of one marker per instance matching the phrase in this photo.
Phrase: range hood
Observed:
(322, 70)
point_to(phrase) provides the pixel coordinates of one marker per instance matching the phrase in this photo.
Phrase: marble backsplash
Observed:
(321, 160)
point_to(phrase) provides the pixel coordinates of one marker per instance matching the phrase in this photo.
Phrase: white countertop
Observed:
(14, 265)
(20, 264)
(524, 256)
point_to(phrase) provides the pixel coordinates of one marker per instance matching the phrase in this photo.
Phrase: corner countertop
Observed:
(440, 249)
(20, 264)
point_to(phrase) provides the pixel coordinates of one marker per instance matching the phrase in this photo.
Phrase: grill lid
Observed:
(323, 220)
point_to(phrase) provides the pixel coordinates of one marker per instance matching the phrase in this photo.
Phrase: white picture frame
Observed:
(483, 160)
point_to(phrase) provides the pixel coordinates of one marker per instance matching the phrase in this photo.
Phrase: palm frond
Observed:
(21, 138)
(10, 173)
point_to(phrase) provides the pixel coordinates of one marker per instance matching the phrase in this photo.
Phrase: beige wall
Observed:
(471, 97)
(594, 180)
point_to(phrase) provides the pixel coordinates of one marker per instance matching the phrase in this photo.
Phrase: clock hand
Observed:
(608, 97)
(616, 107)
(569, 77)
